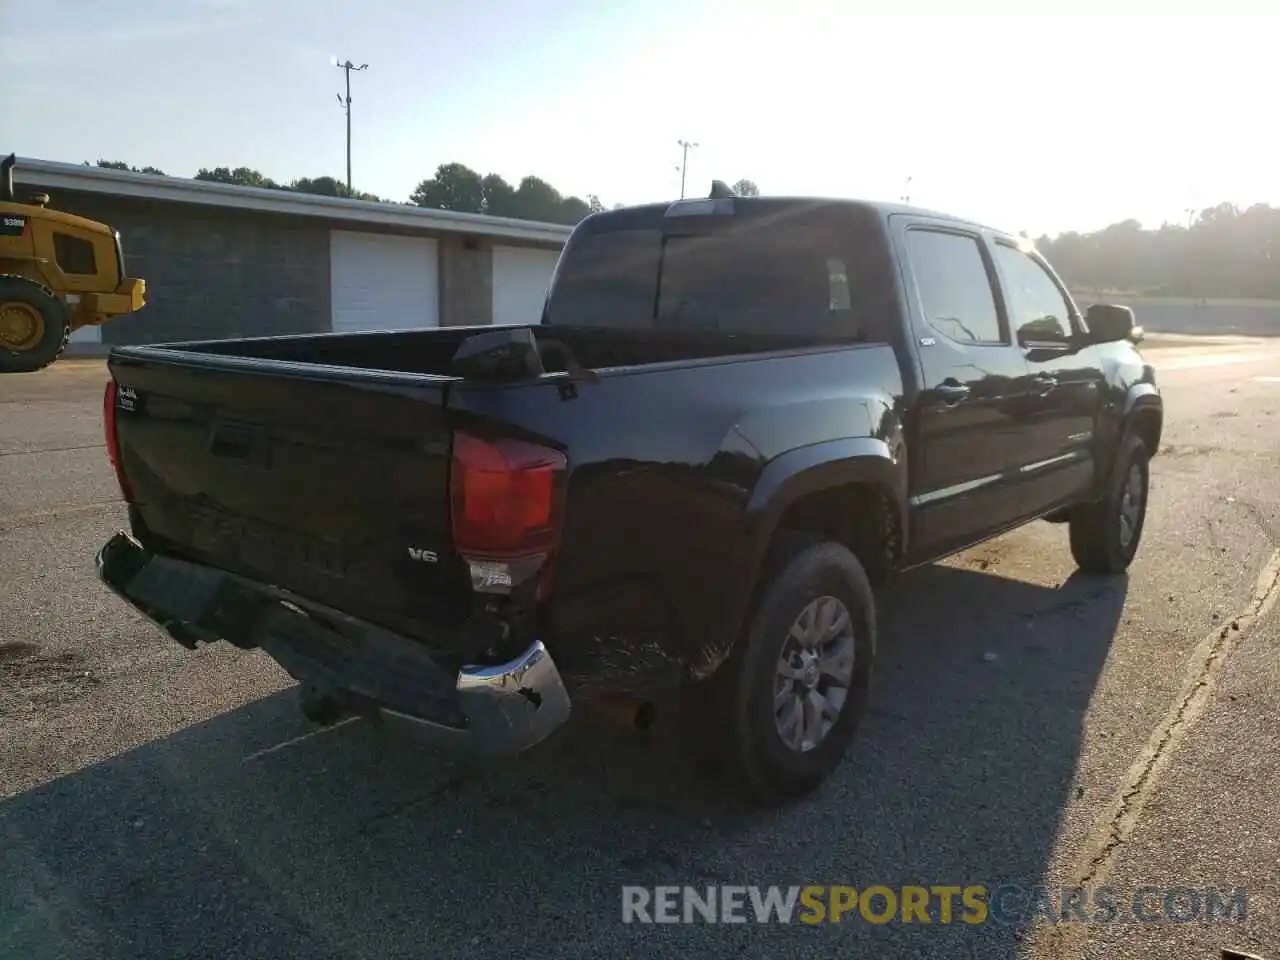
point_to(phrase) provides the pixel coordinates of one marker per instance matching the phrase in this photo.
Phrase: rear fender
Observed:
(823, 466)
(785, 481)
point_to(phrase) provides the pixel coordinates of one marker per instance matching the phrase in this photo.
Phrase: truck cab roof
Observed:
(765, 207)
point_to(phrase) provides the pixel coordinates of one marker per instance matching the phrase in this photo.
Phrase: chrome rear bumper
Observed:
(491, 709)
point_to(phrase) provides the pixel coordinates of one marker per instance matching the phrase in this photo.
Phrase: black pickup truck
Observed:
(733, 418)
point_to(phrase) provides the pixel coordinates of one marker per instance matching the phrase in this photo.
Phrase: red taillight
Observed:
(113, 438)
(506, 497)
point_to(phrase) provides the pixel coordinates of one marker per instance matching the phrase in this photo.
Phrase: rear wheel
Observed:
(33, 326)
(778, 716)
(1105, 534)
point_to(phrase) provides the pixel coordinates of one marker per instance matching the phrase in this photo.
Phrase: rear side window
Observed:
(954, 286)
(802, 273)
(773, 279)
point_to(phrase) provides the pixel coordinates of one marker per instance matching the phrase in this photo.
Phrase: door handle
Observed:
(1045, 383)
(952, 391)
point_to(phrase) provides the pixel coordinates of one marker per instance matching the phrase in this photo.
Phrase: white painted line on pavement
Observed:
(296, 740)
(1267, 379)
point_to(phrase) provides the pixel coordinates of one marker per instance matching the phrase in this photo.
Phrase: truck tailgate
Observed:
(330, 482)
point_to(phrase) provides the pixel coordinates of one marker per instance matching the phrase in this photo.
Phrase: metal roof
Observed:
(119, 183)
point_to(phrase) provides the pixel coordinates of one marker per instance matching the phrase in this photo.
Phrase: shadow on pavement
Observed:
(356, 843)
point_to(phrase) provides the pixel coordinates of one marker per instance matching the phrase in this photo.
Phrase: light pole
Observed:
(685, 147)
(347, 66)
(906, 191)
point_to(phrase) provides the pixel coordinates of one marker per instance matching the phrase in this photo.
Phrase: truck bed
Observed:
(431, 351)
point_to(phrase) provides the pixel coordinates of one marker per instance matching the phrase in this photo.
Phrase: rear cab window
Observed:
(809, 269)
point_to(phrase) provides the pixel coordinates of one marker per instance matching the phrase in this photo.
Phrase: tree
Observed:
(499, 196)
(746, 188)
(321, 186)
(240, 176)
(1223, 252)
(331, 187)
(121, 165)
(572, 210)
(538, 200)
(455, 186)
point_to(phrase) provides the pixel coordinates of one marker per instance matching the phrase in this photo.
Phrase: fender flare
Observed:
(784, 481)
(1142, 395)
(823, 466)
(35, 283)
(1140, 399)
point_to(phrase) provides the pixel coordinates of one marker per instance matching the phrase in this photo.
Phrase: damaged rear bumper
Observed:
(492, 709)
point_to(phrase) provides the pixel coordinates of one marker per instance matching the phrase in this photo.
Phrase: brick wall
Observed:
(214, 273)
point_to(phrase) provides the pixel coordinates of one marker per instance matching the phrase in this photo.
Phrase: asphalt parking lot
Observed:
(1031, 726)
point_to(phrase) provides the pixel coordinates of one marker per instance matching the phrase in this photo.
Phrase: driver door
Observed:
(1066, 388)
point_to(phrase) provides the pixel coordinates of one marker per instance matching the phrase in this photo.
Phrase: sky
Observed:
(1032, 115)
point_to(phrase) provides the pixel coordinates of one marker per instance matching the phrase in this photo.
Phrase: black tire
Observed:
(1098, 540)
(56, 332)
(728, 720)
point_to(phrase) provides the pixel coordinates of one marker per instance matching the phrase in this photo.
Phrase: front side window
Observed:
(955, 289)
(74, 254)
(1038, 312)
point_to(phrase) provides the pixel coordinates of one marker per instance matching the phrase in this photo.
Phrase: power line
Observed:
(347, 67)
(685, 147)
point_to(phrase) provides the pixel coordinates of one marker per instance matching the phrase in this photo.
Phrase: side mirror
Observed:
(1109, 322)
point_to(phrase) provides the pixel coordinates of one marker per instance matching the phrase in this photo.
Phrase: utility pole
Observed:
(685, 147)
(347, 67)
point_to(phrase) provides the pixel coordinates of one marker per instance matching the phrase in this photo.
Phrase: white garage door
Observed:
(520, 279)
(383, 282)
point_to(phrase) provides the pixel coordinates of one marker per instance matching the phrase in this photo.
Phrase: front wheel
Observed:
(1105, 534)
(33, 326)
(779, 714)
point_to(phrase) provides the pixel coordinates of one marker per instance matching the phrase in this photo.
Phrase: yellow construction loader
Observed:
(58, 273)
